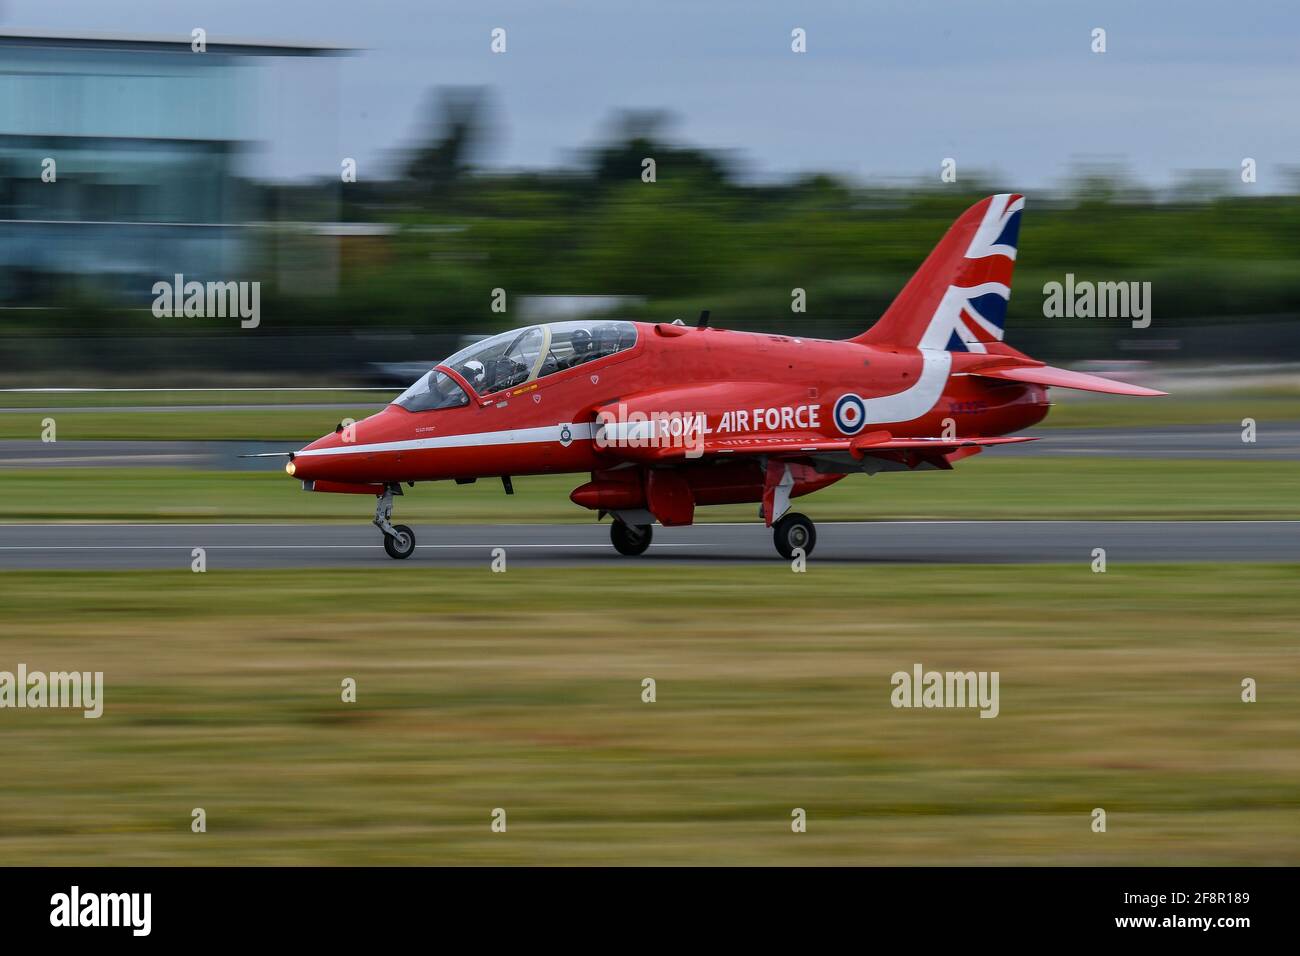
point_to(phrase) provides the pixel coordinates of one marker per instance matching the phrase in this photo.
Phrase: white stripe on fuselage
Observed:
(912, 402)
(900, 407)
(512, 436)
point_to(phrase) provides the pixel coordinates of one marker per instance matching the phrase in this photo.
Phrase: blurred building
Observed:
(144, 135)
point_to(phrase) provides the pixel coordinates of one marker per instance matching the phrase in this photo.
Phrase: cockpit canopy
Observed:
(517, 357)
(434, 389)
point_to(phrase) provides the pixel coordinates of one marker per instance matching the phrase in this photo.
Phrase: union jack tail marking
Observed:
(957, 301)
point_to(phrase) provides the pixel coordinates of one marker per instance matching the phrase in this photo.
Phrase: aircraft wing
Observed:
(795, 445)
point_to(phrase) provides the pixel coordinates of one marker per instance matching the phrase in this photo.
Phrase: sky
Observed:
(886, 90)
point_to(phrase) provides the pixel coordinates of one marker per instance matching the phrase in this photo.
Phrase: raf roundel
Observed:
(850, 414)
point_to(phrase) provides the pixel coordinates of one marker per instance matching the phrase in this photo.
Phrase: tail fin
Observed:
(958, 298)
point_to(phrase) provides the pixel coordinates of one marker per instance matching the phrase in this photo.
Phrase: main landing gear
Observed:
(630, 539)
(399, 539)
(794, 531)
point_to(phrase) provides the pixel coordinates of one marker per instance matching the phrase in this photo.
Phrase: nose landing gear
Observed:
(399, 540)
(400, 544)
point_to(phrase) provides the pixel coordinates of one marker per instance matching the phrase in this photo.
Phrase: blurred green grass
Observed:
(522, 691)
(1074, 411)
(982, 487)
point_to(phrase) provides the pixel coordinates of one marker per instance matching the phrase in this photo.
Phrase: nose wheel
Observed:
(399, 540)
(400, 544)
(794, 531)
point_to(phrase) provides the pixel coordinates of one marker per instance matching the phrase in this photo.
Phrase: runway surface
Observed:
(120, 546)
(1276, 441)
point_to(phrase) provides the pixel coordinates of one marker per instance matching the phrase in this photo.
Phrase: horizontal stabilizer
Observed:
(1064, 378)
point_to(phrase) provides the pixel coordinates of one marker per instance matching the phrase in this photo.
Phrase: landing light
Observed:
(290, 468)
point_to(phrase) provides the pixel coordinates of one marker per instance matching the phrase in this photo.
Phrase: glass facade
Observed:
(144, 144)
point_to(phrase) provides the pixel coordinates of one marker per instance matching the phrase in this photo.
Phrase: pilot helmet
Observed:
(607, 337)
(473, 371)
(580, 339)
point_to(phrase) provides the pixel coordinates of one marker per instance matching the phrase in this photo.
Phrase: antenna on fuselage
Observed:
(703, 322)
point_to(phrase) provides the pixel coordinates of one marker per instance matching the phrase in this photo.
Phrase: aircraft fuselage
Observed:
(727, 384)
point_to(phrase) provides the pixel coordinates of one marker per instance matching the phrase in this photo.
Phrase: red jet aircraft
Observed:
(666, 418)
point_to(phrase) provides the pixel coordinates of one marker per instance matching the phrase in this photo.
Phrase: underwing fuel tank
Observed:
(605, 494)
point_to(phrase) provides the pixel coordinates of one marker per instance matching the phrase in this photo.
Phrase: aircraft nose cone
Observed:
(310, 467)
(332, 440)
(382, 426)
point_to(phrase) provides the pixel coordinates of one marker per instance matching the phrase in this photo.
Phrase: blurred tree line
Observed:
(702, 236)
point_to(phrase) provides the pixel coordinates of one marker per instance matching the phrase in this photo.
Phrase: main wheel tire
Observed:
(630, 539)
(402, 545)
(794, 531)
